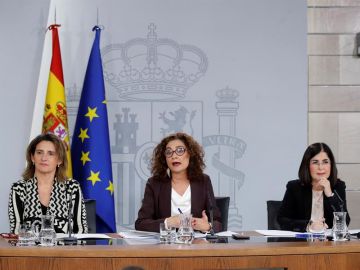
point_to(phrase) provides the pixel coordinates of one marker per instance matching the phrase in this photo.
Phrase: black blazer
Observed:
(295, 211)
(156, 205)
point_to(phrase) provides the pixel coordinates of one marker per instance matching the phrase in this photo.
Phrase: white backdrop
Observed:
(247, 105)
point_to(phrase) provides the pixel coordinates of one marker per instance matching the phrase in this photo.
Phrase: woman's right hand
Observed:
(173, 221)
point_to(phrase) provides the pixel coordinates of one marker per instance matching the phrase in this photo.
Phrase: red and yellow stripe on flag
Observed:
(55, 114)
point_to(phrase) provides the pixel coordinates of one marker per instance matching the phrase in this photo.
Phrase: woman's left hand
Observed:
(201, 224)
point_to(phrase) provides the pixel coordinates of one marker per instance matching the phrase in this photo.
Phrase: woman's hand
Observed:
(201, 224)
(324, 184)
(173, 221)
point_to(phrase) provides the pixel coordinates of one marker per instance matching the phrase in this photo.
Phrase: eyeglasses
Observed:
(179, 151)
(318, 163)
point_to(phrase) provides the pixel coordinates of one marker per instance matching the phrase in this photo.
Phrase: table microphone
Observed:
(341, 201)
(70, 240)
(212, 235)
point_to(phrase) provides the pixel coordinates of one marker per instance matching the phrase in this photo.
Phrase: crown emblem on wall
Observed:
(153, 68)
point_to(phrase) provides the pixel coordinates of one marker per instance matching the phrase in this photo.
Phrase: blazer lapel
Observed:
(196, 197)
(308, 201)
(165, 194)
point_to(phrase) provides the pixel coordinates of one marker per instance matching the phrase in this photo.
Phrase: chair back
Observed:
(90, 206)
(223, 204)
(273, 208)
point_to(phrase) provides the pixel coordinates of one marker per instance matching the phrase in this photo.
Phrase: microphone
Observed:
(341, 204)
(212, 235)
(70, 240)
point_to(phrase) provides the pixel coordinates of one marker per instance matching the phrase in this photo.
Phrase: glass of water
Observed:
(26, 235)
(185, 233)
(47, 233)
(167, 234)
(340, 229)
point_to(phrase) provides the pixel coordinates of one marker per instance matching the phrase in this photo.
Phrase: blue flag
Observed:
(90, 148)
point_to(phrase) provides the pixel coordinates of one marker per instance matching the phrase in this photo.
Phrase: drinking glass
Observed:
(26, 235)
(317, 229)
(47, 233)
(185, 233)
(167, 234)
(339, 229)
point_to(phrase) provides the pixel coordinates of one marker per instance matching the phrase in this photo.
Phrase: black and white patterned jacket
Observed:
(25, 206)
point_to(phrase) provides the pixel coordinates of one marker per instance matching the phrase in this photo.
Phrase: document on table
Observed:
(84, 236)
(277, 233)
(133, 234)
(149, 240)
(225, 233)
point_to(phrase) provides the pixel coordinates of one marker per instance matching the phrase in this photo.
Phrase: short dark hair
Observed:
(196, 153)
(60, 151)
(310, 152)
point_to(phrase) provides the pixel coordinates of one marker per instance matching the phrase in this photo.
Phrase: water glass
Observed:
(317, 230)
(47, 233)
(185, 233)
(339, 226)
(167, 234)
(27, 236)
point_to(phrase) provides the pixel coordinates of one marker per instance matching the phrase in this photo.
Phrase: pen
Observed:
(302, 235)
(180, 211)
(310, 235)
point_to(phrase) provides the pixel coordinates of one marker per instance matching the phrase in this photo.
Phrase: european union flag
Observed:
(90, 149)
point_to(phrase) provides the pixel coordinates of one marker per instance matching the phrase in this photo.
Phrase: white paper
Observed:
(277, 233)
(225, 233)
(133, 234)
(84, 236)
(150, 240)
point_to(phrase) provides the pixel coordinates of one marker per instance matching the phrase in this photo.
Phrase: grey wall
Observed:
(254, 131)
(23, 30)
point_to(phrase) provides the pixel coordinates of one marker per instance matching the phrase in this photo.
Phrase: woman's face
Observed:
(45, 158)
(177, 156)
(320, 166)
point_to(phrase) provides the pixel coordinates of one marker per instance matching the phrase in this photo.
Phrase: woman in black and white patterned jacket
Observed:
(45, 189)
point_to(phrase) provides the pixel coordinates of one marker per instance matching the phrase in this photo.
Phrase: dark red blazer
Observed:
(156, 205)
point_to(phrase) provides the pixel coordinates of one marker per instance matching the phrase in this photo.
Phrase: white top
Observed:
(182, 202)
(317, 208)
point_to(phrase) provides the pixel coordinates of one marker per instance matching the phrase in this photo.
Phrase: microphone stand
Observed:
(70, 240)
(212, 235)
(341, 204)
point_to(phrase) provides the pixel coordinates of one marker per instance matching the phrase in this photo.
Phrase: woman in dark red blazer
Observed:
(178, 184)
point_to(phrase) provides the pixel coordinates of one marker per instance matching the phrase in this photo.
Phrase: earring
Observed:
(33, 163)
(168, 172)
(58, 165)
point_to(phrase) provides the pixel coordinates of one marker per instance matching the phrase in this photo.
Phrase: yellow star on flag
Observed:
(91, 113)
(110, 188)
(94, 177)
(104, 102)
(83, 134)
(85, 157)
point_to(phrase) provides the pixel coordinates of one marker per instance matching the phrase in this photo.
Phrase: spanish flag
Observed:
(55, 113)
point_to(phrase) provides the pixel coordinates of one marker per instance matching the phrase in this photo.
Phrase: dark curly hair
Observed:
(196, 153)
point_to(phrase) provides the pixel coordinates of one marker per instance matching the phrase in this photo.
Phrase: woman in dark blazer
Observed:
(178, 184)
(310, 201)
